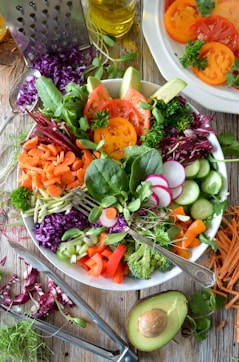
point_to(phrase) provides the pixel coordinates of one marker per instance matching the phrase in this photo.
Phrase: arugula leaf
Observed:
(191, 56)
(205, 6)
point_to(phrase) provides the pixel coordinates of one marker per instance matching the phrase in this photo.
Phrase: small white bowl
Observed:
(78, 273)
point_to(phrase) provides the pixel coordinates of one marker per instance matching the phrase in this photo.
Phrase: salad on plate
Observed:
(147, 158)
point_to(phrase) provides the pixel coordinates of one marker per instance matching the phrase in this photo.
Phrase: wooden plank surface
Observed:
(220, 346)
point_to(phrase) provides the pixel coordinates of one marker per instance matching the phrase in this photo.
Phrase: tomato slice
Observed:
(98, 96)
(229, 10)
(135, 97)
(178, 18)
(119, 133)
(220, 59)
(217, 28)
(121, 108)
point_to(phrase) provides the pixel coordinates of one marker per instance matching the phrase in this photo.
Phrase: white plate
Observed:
(78, 273)
(166, 53)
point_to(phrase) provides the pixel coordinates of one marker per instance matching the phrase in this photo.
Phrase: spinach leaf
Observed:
(105, 177)
(50, 96)
(147, 164)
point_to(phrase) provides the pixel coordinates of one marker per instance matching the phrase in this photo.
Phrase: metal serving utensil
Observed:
(122, 354)
(199, 273)
(13, 95)
(45, 26)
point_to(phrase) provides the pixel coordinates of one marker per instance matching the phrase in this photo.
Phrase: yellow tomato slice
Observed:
(119, 133)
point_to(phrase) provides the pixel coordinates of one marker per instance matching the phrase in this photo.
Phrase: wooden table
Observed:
(220, 346)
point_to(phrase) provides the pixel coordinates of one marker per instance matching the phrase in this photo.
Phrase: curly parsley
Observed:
(191, 56)
(205, 6)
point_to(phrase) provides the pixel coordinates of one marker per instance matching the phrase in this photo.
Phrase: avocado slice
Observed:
(92, 83)
(169, 90)
(131, 79)
(153, 321)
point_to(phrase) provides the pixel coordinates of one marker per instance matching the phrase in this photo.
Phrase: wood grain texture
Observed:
(220, 346)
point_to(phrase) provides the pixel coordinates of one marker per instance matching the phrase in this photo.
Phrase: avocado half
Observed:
(153, 321)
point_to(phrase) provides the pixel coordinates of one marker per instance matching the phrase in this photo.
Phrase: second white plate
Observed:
(166, 53)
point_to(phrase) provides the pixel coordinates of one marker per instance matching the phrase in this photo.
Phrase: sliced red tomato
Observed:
(98, 96)
(178, 18)
(229, 10)
(135, 97)
(122, 108)
(167, 4)
(220, 60)
(118, 134)
(216, 28)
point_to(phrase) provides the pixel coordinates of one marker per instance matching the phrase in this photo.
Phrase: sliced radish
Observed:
(153, 200)
(176, 192)
(157, 179)
(174, 173)
(164, 194)
(105, 221)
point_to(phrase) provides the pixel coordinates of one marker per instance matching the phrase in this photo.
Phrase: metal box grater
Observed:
(45, 26)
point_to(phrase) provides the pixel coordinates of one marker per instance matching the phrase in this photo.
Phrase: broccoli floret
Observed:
(20, 198)
(143, 260)
(139, 262)
(160, 262)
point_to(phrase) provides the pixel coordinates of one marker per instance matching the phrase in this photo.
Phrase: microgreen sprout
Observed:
(104, 62)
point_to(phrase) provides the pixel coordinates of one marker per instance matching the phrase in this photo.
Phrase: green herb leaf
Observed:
(191, 56)
(100, 120)
(205, 7)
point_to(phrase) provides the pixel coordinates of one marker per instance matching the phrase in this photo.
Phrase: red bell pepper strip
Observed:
(114, 260)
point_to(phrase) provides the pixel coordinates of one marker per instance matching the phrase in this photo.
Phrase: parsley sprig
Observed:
(232, 77)
(191, 55)
(202, 305)
(205, 6)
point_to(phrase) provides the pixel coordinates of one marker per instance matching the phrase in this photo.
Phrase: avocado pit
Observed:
(152, 322)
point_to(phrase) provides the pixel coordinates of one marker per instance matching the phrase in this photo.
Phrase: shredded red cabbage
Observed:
(61, 68)
(191, 144)
(50, 231)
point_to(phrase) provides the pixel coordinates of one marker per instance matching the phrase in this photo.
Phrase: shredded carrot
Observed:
(225, 261)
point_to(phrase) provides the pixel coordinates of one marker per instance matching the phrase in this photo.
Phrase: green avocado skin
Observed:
(173, 303)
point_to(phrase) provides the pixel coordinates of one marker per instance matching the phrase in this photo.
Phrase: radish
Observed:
(174, 173)
(153, 200)
(176, 192)
(157, 179)
(106, 221)
(164, 194)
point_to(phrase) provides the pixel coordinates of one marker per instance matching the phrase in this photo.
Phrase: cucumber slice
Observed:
(213, 183)
(201, 209)
(192, 170)
(204, 168)
(189, 194)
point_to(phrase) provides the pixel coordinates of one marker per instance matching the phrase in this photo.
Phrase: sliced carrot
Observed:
(77, 164)
(81, 174)
(189, 237)
(194, 243)
(73, 184)
(198, 227)
(80, 145)
(110, 212)
(54, 190)
(32, 142)
(97, 154)
(52, 181)
(69, 158)
(87, 158)
(35, 152)
(67, 178)
(178, 211)
(25, 180)
(37, 180)
(60, 169)
(54, 149)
